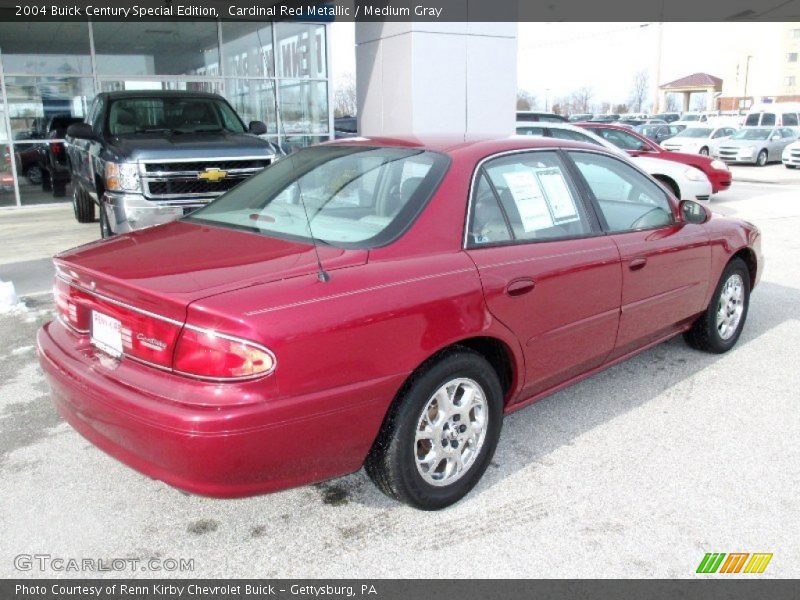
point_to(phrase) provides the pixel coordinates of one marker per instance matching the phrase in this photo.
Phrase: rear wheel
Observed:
(440, 433)
(82, 205)
(703, 151)
(720, 326)
(34, 175)
(791, 166)
(761, 159)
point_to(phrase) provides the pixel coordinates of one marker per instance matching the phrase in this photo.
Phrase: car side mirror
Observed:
(257, 128)
(694, 212)
(81, 131)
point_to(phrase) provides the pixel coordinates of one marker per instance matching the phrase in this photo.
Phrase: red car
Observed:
(447, 283)
(636, 144)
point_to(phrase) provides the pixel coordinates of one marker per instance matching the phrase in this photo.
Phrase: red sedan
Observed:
(635, 144)
(446, 284)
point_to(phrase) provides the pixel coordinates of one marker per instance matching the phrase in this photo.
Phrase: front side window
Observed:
(174, 114)
(768, 119)
(628, 200)
(531, 196)
(356, 196)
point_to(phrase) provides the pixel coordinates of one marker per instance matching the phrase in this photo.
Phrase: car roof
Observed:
(478, 145)
(160, 93)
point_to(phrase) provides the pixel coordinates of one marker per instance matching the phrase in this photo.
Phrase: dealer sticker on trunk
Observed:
(106, 334)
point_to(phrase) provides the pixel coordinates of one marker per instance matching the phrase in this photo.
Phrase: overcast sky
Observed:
(563, 57)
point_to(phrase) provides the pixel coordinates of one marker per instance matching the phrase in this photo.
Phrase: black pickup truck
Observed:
(149, 157)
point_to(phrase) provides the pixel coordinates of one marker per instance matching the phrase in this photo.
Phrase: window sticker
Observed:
(557, 195)
(528, 196)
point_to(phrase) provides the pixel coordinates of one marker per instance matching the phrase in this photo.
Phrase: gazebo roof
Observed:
(695, 80)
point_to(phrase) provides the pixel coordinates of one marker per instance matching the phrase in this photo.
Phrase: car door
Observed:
(548, 272)
(665, 261)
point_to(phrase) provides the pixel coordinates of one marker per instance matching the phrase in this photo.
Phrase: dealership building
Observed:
(272, 72)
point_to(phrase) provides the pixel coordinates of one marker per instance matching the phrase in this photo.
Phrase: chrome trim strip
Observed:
(70, 326)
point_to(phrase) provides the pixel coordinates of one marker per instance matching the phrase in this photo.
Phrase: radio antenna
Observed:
(322, 274)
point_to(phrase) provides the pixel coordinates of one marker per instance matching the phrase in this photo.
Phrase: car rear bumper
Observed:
(222, 451)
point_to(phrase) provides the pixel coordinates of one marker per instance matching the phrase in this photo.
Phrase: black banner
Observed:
(402, 10)
(392, 589)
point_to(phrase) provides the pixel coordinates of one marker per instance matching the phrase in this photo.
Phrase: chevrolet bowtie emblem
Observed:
(212, 174)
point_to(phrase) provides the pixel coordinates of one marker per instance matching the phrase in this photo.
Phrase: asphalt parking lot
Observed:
(635, 472)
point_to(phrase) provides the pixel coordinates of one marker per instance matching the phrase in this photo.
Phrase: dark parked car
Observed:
(656, 132)
(149, 157)
(446, 284)
(604, 119)
(345, 127)
(53, 160)
(530, 115)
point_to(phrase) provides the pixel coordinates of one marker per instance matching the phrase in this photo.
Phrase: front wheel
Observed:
(720, 326)
(440, 433)
(703, 151)
(761, 160)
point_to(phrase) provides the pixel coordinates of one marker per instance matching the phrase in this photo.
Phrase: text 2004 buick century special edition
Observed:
(457, 281)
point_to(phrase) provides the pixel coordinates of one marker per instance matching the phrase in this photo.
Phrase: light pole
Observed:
(746, 74)
(547, 100)
(657, 78)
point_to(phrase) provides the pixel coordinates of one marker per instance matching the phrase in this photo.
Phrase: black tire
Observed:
(83, 206)
(34, 175)
(761, 159)
(703, 151)
(704, 334)
(791, 166)
(391, 463)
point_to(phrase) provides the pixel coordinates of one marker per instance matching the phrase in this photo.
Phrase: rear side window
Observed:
(568, 134)
(535, 197)
(627, 199)
(768, 119)
(790, 119)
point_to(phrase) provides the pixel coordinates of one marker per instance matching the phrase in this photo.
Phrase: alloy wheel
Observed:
(730, 307)
(451, 431)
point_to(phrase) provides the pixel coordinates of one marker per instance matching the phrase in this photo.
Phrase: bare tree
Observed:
(641, 81)
(671, 103)
(580, 99)
(697, 102)
(620, 109)
(526, 100)
(344, 97)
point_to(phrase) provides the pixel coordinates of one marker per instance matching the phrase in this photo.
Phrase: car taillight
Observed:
(68, 305)
(147, 338)
(209, 355)
(56, 147)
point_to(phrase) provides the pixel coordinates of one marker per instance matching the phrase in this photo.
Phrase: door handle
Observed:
(518, 287)
(637, 263)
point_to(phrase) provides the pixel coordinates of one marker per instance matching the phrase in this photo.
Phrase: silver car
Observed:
(756, 145)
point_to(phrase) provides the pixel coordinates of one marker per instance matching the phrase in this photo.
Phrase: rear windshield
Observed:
(175, 115)
(695, 132)
(347, 196)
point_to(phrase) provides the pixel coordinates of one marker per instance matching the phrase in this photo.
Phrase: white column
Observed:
(436, 78)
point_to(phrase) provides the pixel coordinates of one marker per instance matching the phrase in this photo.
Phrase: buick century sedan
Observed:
(381, 303)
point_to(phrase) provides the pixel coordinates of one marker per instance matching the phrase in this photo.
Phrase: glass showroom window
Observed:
(247, 50)
(212, 86)
(152, 48)
(304, 106)
(254, 100)
(51, 48)
(301, 50)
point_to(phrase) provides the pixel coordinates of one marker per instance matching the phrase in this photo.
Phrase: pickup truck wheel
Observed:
(720, 326)
(440, 433)
(82, 205)
(34, 175)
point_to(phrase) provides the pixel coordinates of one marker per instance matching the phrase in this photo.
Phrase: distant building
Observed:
(763, 68)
